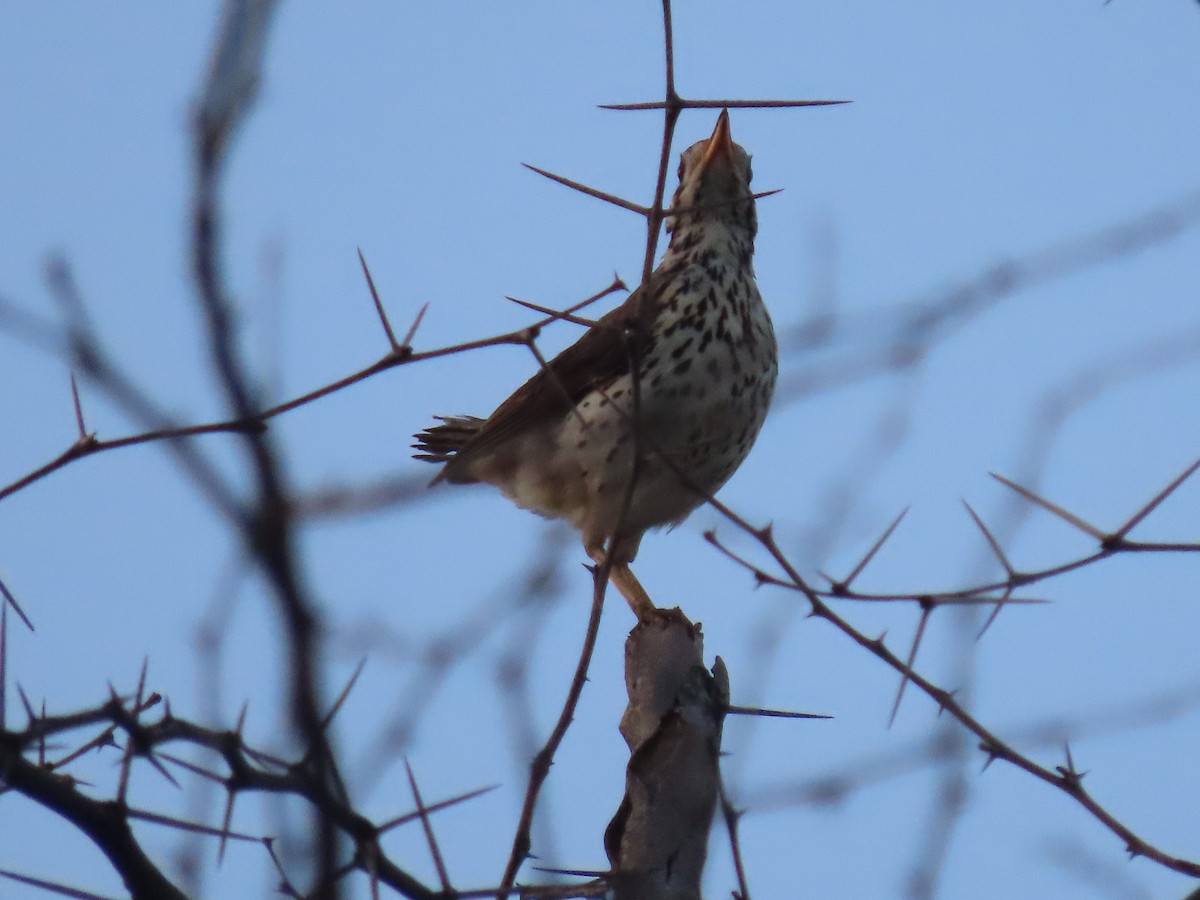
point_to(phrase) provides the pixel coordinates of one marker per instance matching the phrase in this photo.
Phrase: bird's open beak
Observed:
(720, 143)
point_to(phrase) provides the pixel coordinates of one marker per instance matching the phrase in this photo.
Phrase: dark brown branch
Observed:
(989, 743)
(105, 823)
(539, 768)
(732, 817)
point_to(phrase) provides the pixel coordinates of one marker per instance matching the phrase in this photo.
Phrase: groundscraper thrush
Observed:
(698, 340)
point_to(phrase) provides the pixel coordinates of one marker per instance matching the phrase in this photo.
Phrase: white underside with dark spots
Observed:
(705, 387)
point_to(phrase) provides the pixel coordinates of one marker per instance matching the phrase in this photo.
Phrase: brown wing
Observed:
(597, 359)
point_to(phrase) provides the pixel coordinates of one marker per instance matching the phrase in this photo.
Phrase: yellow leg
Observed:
(631, 589)
(622, 578)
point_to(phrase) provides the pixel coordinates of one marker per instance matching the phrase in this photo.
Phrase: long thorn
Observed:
(874, 549)
(337, 704)
(83, 435)
(10, 600)
(1065, 515)
(406, 344)
(435, 807)
(1158, 498)
(226, 819)
(592, 192)
(726, 104)
(771, 713)
(552, 313)
(992, 542)
(387, 326)
(995, 613)
(183, 824)
(908, 666)
(438, 862)
(52, 887)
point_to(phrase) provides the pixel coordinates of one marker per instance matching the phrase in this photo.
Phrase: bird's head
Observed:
(714, 183)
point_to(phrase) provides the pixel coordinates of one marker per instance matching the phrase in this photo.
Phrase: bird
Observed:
(668, 390)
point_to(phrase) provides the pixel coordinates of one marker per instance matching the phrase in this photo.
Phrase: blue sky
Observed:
(979, 134)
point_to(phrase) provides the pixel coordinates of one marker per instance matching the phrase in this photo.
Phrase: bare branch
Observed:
(539, 768)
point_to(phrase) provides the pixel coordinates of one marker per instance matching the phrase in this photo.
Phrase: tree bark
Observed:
(658, 840)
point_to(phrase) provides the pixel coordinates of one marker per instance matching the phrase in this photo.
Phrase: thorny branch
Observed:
(266, 522)
(247, 770)
(539, 767)
(992, 746)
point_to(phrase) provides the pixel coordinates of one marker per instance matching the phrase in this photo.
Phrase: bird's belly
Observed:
(699, 413)
(694, 436)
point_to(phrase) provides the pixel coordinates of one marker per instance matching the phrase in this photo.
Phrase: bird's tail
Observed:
(439, 443)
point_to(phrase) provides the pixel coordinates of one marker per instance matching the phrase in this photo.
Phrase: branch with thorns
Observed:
(1066, 779)
(248, 769)
(267, 530)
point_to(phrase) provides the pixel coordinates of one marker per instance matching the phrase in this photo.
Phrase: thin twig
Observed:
(539, 768)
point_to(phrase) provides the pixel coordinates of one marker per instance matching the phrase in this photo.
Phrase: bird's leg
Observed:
(631, 589)
(622, 578)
